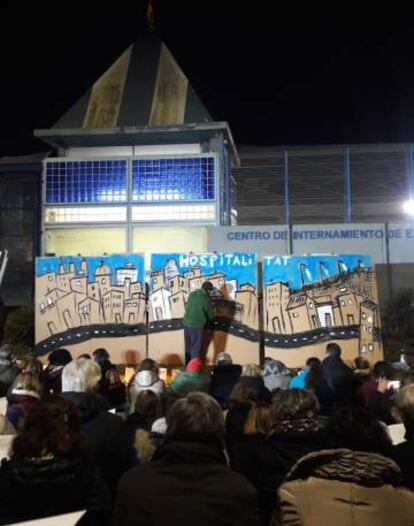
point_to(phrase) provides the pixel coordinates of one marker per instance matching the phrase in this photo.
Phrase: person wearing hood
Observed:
(25, 393)
(192, 379)
(52, 375)
(276, 375)
(8, 371)
(356, 483)
(106, 433)
(187, 482)
(50, 471)
(145, 379)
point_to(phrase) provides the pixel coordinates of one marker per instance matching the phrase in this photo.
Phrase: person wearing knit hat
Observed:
(276, 375)
(195, 365)
(192, 379)
(223, 358)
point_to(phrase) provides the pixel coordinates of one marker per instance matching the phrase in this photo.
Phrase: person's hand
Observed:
(382, 385)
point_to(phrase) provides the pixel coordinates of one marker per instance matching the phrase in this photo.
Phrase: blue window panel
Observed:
(86, 181)
(186, 179)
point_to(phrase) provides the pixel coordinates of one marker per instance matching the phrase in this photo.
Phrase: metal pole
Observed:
(347, 186)
(410, 172)
(286, 176)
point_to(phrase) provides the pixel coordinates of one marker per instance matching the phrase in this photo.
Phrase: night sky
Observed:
(293, 76)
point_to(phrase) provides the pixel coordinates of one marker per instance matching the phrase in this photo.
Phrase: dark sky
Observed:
(281, 76)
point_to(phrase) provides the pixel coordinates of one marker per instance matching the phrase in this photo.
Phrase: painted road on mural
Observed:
(218, 324)
(285, 341)
(288, 341)
(83, 334)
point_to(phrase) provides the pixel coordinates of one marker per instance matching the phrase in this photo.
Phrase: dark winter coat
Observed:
(52, 378)
(365, 391)
(265, 461)
(236, 418)
(341, 380)
(404, 455)
(35, 488)
(108, 436)
(380, 405)
(19, 406)
(186, 483)
(345, 488)
(110, 385)
(324, 395)
(223, 379)
(8, 373)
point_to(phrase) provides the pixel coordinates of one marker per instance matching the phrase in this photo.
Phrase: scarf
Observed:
(297, 425)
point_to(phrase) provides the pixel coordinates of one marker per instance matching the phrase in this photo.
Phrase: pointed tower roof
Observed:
(142, 98)
(145, 86)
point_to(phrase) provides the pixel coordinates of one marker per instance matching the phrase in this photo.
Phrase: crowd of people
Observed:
(222, 445)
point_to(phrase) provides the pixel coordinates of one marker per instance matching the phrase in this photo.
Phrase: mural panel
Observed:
(312, 300)
(235, 326)
(87, 302)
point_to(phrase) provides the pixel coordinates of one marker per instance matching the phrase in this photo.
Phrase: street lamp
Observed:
(408, 207)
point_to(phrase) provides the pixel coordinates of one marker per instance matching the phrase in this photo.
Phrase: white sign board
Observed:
(262, 240)
(355, 238)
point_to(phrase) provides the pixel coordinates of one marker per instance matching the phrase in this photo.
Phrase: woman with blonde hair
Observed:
(251, 370)
(26, 391)
(259, 421)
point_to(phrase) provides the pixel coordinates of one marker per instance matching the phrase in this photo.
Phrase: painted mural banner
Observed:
(310, 301)
(235, 298)
(83, 303)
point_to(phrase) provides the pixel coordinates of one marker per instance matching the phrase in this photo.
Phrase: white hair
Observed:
(80, 376)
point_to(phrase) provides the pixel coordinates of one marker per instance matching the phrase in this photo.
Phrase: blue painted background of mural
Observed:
(239, 266)
(114, 262)
(287, 268)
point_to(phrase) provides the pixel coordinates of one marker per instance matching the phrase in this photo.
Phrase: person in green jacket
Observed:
(192, 379)
(198, 312)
